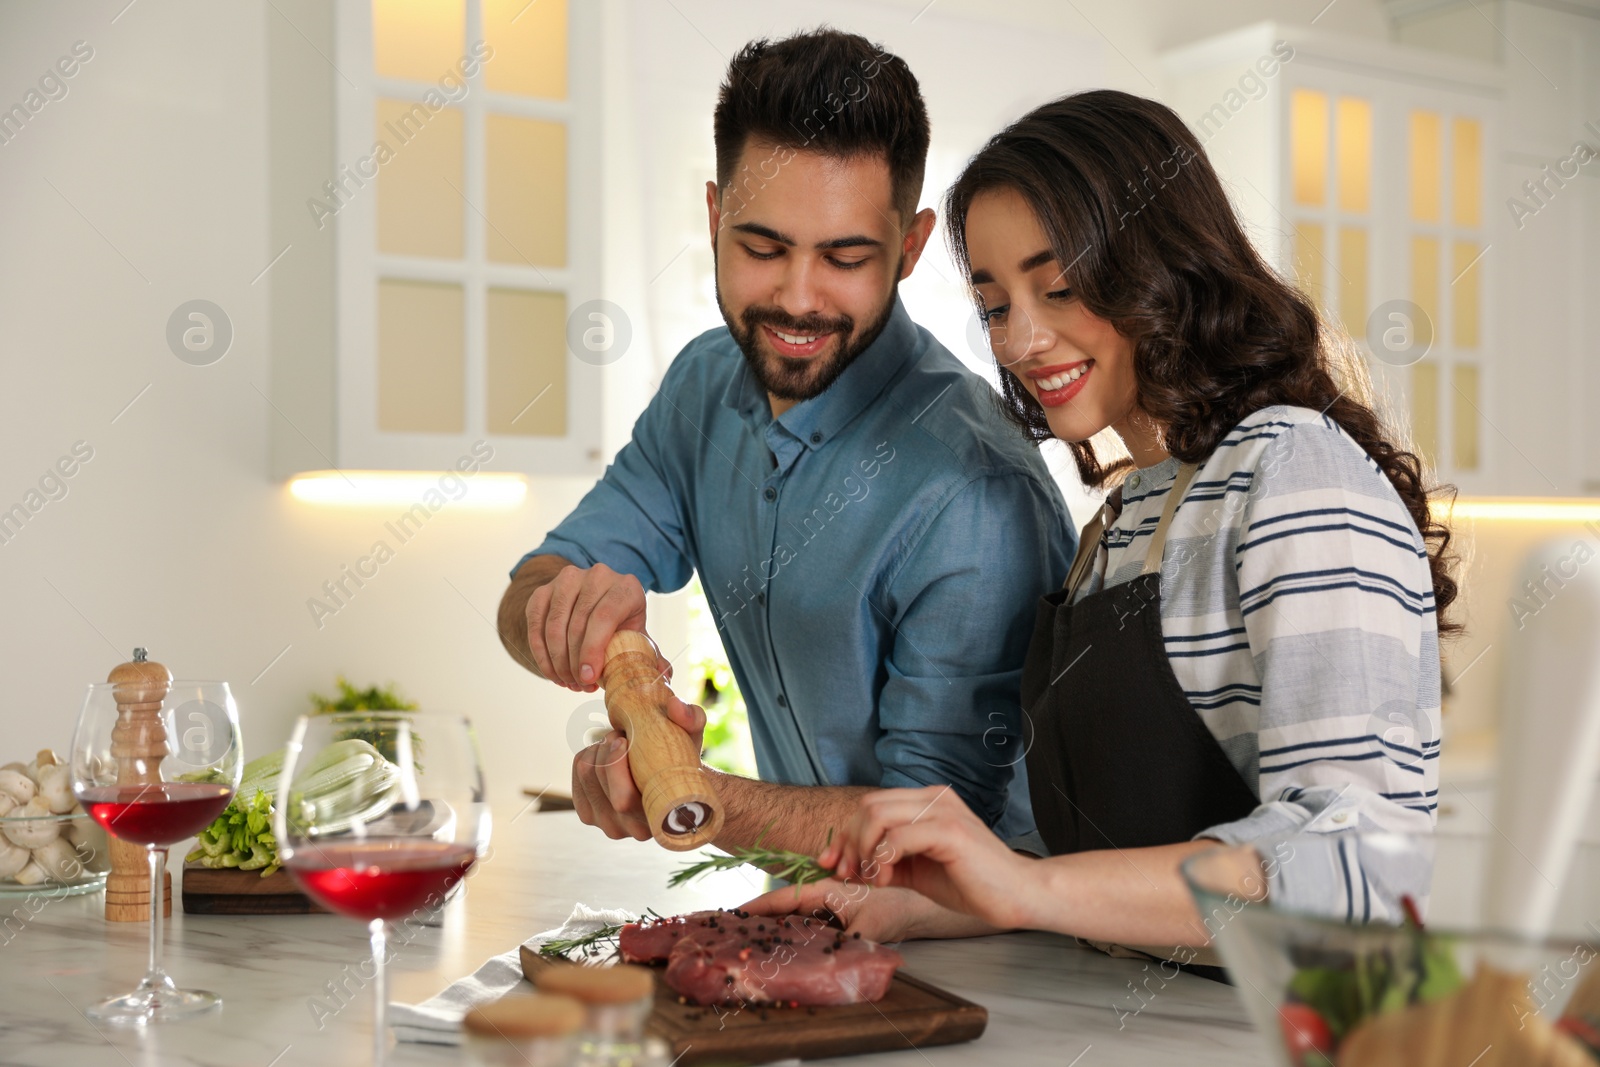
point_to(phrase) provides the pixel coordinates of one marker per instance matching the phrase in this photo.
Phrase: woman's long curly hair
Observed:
(1132, 207)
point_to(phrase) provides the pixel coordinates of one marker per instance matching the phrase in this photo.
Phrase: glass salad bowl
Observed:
(59, 855)
(1403, 971)
(48, 844)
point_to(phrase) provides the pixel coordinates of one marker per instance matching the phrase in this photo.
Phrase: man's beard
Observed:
(801, 379)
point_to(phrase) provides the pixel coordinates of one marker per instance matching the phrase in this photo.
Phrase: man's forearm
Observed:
(513, 621)
(795, 818)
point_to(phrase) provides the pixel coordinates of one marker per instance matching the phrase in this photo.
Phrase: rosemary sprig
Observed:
(588, 946)
(795, 867)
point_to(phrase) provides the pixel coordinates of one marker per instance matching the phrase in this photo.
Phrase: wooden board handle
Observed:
(680, 803)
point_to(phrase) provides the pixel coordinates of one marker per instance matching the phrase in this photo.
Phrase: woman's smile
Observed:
(1058, 384)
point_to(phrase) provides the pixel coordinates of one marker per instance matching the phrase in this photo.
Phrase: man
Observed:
(870, 535)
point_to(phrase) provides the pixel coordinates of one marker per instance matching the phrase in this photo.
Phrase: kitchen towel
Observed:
(437, 1020)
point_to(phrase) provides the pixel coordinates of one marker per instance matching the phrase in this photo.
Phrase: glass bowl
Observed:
(67, 854)
(1365, 986)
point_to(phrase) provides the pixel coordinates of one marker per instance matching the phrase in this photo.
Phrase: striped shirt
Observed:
(1298, 615)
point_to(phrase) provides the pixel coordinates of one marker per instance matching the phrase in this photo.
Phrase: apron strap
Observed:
(1088, 545)
(1089, 539)
(1158, 539)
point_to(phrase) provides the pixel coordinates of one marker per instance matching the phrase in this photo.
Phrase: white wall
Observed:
(146, 187)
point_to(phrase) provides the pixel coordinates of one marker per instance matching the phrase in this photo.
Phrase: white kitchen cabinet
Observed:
(1363, 171)
(436, 197)
(1549, 202)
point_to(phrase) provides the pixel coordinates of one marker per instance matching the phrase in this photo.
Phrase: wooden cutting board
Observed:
(913, 1014)
(230, 891)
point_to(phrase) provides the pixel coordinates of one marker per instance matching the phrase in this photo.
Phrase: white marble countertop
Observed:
(1050, 1002)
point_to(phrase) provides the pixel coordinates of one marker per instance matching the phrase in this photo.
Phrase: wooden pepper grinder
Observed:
(680, 802)
(138, 744)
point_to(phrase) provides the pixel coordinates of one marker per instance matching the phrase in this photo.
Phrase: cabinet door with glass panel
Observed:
(1383, 193)
(467, 232)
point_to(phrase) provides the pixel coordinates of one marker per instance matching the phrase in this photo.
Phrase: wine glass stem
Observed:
(158, 863)
(380, 1007)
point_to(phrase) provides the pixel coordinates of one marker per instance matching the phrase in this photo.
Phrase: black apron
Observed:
(1119, 758)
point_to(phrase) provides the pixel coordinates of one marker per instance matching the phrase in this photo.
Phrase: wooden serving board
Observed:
(913, 1014)
(230, 891)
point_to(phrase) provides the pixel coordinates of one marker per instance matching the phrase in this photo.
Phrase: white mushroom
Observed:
(12, 858)
(14, 766)
(46, 758)
(31, 825)
(58, 861)
(6, 804)
(32, 874)
(17, 785)
(55, 787)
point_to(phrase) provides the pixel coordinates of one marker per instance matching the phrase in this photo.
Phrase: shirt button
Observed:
(771, 494)
(782, 702)
(1342, 817)
(816, 437)
(761, 598)
(1133, 483)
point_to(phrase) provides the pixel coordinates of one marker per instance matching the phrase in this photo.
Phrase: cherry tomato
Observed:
(1305, 1031)
(1584, 1030)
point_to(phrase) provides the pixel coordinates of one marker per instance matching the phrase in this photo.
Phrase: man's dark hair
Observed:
(823, 91)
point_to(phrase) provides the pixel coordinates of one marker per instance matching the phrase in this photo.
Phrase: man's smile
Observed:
(796, 345)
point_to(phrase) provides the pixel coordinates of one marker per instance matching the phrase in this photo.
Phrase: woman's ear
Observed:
(916, 239)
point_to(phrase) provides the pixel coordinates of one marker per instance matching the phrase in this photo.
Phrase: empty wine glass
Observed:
(153, 770)
(380, 814)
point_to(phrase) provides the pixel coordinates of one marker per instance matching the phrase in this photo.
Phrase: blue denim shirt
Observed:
(872, 559)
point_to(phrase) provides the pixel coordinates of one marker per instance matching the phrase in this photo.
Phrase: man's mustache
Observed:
(805, 326)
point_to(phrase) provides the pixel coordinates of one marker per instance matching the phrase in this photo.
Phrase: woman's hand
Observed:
(928, 840)
(881, 915)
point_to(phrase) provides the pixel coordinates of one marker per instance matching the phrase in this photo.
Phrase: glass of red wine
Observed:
(153, 777)
(380, 814)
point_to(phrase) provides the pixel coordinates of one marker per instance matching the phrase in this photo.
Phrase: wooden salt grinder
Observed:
(680, 802)
(138, 744)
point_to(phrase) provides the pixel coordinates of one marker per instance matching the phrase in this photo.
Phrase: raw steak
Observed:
(651, 940)
(739, 958)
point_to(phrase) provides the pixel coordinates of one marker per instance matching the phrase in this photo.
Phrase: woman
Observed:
(1247, 645)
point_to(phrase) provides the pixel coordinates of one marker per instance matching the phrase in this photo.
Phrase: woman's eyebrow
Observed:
(1038, 259)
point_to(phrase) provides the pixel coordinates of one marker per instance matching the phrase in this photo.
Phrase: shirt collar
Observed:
(1142, 482)
(815, 421)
